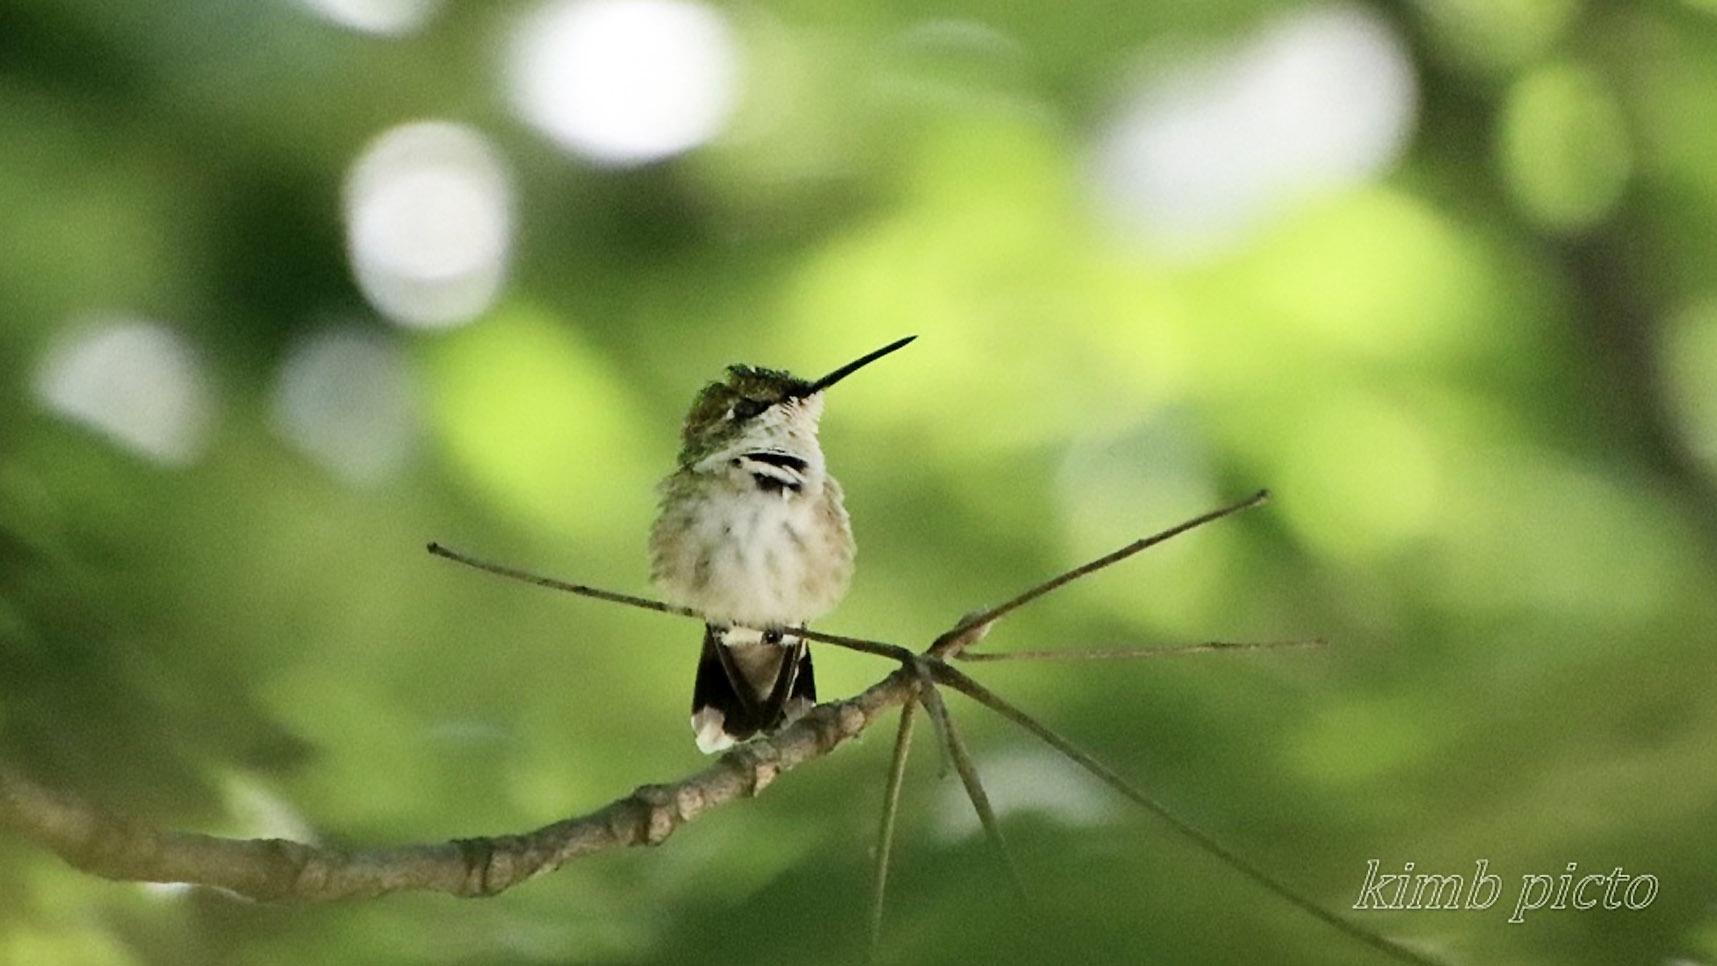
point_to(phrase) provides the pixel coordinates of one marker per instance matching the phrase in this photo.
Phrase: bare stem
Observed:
(513, 573)
(860, 644)
(951, 641)
(890, 808)
(1129, 653)
(965, 685)
(968, 771)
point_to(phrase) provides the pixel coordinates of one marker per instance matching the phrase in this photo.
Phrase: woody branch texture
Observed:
(279, 870)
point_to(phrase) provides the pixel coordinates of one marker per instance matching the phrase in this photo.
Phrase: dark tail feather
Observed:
(804, 694)
(721, 713)
(730, 706)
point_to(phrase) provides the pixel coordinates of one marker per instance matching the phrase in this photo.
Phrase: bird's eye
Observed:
(747, 408)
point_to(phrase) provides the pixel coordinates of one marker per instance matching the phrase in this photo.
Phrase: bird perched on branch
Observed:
(753, 536)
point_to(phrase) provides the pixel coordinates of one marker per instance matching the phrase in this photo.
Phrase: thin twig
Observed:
(968, 771)
(956, 679)
(944, 764)
(885, 834)
(951, 641)
(862, 645)
(1128, 653)
(879, 648)
(514, 573)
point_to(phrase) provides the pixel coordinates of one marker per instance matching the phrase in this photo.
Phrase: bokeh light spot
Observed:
(135, 382)
(1495, 35)
(345, 399)
(1688, 354)
(1150, 475)
(1022, 781)
(955, 64)
(535, 421)
(385, 17)
(625, 82)
(429, 222)
(1201, 153)
(1565, 147)
(1005, 287)
(1359, 477)
(259, 811)
(1378, 274)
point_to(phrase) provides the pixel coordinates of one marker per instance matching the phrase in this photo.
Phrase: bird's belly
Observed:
(760, 561)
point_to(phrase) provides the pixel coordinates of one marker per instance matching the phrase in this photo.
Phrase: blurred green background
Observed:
(288, 289)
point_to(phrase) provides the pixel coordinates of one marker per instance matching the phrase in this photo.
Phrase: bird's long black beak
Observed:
(854, 366)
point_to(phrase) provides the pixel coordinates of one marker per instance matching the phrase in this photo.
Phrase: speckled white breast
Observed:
(753, 556)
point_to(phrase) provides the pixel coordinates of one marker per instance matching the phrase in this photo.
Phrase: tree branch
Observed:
(277, 870)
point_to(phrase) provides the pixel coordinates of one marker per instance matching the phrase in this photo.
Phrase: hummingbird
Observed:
(753, 535)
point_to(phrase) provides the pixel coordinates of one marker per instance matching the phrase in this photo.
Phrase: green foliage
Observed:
(1480, 383)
